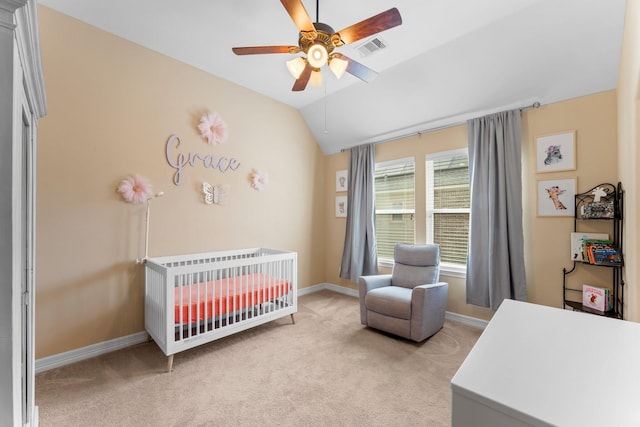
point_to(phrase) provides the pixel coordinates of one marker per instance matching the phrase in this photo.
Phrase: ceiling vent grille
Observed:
(372, 46)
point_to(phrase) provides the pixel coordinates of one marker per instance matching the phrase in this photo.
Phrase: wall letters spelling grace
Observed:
(179, 161)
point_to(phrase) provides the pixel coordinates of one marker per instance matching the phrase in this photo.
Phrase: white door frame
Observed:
(22, 103)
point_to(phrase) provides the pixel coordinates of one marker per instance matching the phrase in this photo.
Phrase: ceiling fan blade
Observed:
(355, 68)
(301, 82)
(380, 22)
(299, 14)
(255, 50)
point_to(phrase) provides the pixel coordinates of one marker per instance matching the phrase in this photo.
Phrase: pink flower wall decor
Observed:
(259, 180)
(212, 128)
(135, 189)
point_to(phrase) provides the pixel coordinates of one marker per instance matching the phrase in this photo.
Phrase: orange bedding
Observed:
(225, 295)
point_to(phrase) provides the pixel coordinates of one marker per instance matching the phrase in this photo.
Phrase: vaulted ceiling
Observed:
(447, 62)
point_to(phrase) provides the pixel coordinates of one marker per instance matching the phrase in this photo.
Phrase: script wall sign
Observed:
(179, 161)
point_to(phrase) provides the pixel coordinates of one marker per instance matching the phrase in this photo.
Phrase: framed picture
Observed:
(556, 152)
(556, 197)
(341, 180)
(341, 206)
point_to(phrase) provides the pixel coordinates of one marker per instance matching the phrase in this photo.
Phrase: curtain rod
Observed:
(450, 125)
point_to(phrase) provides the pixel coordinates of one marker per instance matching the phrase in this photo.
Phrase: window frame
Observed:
(386, 262)
(446, 268)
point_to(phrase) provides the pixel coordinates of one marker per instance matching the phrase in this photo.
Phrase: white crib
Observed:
(194, 299)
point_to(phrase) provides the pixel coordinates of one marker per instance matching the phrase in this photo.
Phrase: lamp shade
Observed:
(316, 78)
(296, 66)
(338, 66)
(317, 55)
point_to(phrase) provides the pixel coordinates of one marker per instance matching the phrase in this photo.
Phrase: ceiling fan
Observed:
(318, 41)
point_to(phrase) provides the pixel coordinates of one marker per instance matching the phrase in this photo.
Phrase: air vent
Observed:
(372, 46)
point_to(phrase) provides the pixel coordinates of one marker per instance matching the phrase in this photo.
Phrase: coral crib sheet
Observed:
(199, 300)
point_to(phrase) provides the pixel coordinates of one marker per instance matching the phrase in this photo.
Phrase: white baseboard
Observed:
(328, 287)
(72, 356)
(467, 320)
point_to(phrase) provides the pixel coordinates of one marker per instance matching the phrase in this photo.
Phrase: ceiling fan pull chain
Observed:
(325, 108)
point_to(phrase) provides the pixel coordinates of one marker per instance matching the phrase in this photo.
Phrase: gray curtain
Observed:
(495, 265)
(359, 256)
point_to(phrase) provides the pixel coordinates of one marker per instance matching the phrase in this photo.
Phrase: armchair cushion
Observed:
(392, 301)
(415, 265)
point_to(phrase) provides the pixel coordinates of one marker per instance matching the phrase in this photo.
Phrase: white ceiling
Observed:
(449, 61)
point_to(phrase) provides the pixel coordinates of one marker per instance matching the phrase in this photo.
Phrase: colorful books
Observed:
(596, 298)
(601, 252)
(577, 244)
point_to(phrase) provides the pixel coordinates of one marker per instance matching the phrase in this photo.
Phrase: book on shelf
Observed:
(601, 252)
(600, 209)
(577, 244)
(596, 298)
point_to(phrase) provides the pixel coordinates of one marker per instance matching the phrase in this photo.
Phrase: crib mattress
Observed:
(206, 300)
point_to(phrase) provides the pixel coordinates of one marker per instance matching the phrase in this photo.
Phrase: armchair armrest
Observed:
(367, 283)
(428, 307)
(425, 288)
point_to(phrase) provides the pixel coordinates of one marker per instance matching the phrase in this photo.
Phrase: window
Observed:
(395, 205)
(448, 202)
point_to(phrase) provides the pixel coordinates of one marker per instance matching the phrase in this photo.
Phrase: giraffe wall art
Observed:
(556, 197)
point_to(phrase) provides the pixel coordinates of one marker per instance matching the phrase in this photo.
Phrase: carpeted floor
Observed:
(326, 370)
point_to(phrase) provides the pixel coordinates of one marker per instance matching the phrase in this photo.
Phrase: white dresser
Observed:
(541, 366)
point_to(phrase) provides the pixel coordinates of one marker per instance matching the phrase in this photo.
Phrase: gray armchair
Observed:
(409, 302)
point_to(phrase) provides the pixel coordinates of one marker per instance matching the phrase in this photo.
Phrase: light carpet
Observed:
(325, 370)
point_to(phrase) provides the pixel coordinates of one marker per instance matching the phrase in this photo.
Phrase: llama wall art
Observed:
(556, 152)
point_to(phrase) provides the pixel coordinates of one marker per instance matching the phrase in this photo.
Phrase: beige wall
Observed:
(629, 156)
(112, 107)
(546, 239)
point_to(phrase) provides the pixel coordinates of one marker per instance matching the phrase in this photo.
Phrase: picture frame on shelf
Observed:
(556, 197)
(342, 180)
(556, 152)
(604, 209)
(341, 206)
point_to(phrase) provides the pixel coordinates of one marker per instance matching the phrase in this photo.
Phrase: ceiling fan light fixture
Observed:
(296, 66)
(316, 78)
(317, 55)
(317, 41)
(338, 66)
